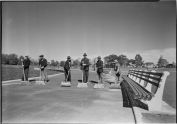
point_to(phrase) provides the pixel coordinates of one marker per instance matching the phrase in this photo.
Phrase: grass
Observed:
(12, 72)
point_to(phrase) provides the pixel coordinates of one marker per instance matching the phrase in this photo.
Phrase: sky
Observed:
(61, 29)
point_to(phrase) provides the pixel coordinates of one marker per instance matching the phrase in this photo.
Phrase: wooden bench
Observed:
(143, 89)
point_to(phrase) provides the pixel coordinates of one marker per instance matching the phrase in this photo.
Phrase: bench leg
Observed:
(137, 114)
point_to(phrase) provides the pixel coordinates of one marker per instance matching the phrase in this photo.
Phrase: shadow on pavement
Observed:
(95, 82)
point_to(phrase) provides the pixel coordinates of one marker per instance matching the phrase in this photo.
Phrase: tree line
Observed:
(13, 59)
(136, 62)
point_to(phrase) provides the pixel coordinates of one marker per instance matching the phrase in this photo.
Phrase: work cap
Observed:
(85, 54)
(41, 56)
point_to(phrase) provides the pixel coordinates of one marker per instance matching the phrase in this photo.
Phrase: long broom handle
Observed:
(40, 75)
(82, 75)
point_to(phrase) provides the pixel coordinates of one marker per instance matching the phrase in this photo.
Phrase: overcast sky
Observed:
(59, 29)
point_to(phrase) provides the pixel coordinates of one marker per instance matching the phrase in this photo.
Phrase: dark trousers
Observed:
(67, 75)
(26, 72)
(85, 76)
(118, 75)
(99, 75)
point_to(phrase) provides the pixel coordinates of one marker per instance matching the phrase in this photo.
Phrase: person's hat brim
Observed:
(99, 57)
(41, 56)
(85, 54)
(68, 57)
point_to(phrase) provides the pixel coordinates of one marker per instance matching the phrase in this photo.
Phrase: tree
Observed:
(13, 59)
(76, 63)
(162, 62)
(138, 60)
(62, 63)
(174, 64)
(123, 60)
(5, 59)
(131, 62)
(54, 63)
(110, 58)
(34, 62)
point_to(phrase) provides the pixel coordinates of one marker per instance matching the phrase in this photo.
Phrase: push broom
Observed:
(99, 85)
(82, 85)
(66, 83)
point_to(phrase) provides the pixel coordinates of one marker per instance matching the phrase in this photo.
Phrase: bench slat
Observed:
(148, 76)
(135, 90)
(142, 92)
(153, 83)
(131, 101)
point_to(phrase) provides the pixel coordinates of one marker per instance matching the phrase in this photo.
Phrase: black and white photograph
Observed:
(88, 62)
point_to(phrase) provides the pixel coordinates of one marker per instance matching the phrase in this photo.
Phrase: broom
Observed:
(40, 82)
(99, 85)
(66, 83)
(82, 85)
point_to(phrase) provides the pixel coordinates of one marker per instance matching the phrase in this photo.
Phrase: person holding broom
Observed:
(85, 68)
(67, 67)
(25, 64)
(42, 66)
(99, 65)
(117, 69)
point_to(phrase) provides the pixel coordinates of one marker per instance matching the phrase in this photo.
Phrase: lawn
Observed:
(12, 72)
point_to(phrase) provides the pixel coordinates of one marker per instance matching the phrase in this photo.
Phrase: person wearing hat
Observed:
(25, 64)
(67, 67)
(42, 66)
(117, 69)
(85, 68)
(99, 65)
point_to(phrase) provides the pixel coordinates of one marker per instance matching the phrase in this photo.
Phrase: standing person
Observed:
(117, 69)
(85, 68)
(67, 67)
(25, 63)
(99, 65)
(42, 66)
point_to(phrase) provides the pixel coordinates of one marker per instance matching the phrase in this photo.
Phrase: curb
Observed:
(8, 81)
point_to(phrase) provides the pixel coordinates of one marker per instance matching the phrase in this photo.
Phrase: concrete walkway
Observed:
(52, 103)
